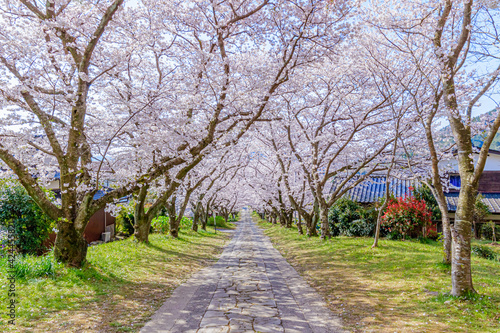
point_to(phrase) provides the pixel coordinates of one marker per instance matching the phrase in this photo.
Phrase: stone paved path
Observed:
(250, 289)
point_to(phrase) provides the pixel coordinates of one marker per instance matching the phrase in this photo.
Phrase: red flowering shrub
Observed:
(406, 216)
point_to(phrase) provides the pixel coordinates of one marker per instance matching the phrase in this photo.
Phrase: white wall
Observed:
(492, 163)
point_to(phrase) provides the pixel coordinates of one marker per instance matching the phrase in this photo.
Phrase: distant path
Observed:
(250, 289)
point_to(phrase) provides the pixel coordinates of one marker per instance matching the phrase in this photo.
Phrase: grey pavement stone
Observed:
(250, 289)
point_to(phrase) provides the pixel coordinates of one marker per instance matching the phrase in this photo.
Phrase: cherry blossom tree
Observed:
(102, 91)
(451, 44)
(334, 130)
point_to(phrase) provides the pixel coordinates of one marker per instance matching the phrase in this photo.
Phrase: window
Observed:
(455, 181)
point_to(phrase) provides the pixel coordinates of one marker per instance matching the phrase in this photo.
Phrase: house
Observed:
(99, 223)
(489, 186)
(373, 189)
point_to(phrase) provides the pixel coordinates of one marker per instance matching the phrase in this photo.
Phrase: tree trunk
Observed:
(325, 227)
(310, 230)
(289, 219)
(494, 236)
(196, 216)
(70, 246)
(387, 191)
(437, 188)
(299, 224)
(174, 227)
(379, 222)
(204, 220)
(461, 273)
(282, 219)
(141, 228)
(141, 222)
(194, 227)
(174, 221)
(445, 219)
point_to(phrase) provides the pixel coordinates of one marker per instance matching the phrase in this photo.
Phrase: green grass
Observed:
(402, 286)
(120, 286)
(221, 223)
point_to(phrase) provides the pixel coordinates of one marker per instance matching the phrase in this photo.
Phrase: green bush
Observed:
(393, 235)
(487, 231)
(348, 218)
(483, 252)
(424, 193)
(186, 223)
(161, 224)
(125, 219)
(31, 226)
(219, 220)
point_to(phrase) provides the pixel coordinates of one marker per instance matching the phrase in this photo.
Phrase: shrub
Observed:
(406, 216)
(487, 231)
(31, 226)
(483, 252)
(424, 193)
(219, 220)
(160, 224)
(348, 218)
(480, 211)
(125, 219)
(432, 234)
(186, 223)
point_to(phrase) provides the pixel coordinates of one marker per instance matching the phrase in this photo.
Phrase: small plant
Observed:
(33, 267)
(424, 240)
(160, 224)
(3, 242)
(483, 252)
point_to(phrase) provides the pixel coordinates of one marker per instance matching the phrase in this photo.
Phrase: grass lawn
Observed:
(120, 287)
(399, 287)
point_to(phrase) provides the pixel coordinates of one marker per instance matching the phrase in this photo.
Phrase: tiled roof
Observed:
(372, 189)
(99, 194)
(492, 200)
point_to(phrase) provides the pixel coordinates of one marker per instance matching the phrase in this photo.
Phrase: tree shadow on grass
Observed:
(180, 254)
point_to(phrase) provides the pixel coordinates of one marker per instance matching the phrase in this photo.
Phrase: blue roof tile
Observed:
(372, 189)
